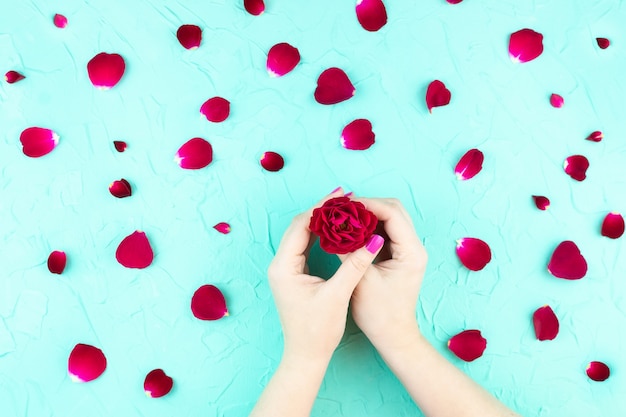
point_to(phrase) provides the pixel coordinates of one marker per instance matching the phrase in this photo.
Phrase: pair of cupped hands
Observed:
(379, 281)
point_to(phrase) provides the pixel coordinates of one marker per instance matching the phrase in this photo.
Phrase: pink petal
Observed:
(576, 167)
(546, 323)
(596, 136)
(222, 227)
(106, 70)
(437, 95)
(473, 253)
(525, 45)
(13, 77)
(120, 188)
(542, 203)
(272, 161)
(120, 145)
(598, 371)
(358, 135)
(281, 59)
(567, 262)
(371, 14)
(454, 1)
(333, 86)
(60, 21)
(254, 7)
(556, 101)
(468, 345)
(603, 43)
(613, 226)
(469, 165)
(56, 262)
(196, 153)
(86, 363)
(134, 251)
(189, 36)
(208, 303)
(37, 141)
(216, 109)
(157, 383)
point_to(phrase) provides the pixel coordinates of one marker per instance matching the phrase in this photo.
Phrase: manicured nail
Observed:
(374, 243)
(349, 194)
(335, 190)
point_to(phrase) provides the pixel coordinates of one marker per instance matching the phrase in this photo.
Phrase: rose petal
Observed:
(196, 153)
(106, 70)
(134, 251)
(468, 345)
(216, 109)
(542, 203)
(333, 86)
(60, 21)
(603, 43)
(567, 262)
(613, 226)
(437, 95)
(282, 59)
(56, 262)
(120, 145)
(38, 141)
(469, 165)
(525, 45)
(454, 1)
(157, 383)
(576, 167)
(13, 77)
(272, 161)
(546, 323)
(598, 371)
(254, 7)
(86, 363)
(120, 188)
(208, 303)
(358, 135)
(222, 227)
(189, 36)
(596, 136)
(371, 14)
(473, 253)
(556, 101)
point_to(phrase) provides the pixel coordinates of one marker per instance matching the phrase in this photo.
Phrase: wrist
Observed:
(398, 337)
(305, 362)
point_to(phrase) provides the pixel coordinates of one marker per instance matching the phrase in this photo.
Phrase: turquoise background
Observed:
(141, 318)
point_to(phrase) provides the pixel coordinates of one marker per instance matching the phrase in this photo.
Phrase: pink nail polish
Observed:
(349, 194)
(374, 243)
(335, 190)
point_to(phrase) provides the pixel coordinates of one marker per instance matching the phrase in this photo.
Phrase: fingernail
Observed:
(349, 194)
(335, 190)
(374, 243)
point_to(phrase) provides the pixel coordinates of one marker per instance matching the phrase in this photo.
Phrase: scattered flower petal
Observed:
(189, 36)
(86, 363)
(57, 261)
(196, 153)
(525, 45)
(542, 203)
(282, 59)
(157, 383)
(567, 262)
(473, 253)
(358, 135)
(134, 251)
(596, 136)
(468, 345)
(556, 101)
(546, 323)
(613, 225)
(106, 70)
(333, 86)
(120, 145)
(272, 161)
(603, 43)
(454, 1)
(598, 371)
(216, 109)
(371, 14)
(576, 167)
(120, 188)
(469, 165)
(60, 21)
(222, 227)
(208, 303)
(13, 77)
(37, 141)
(437, 95)
(254, 7)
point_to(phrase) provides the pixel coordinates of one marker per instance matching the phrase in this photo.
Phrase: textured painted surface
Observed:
(141, 318)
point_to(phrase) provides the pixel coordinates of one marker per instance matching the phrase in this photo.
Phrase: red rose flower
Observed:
(342, 225)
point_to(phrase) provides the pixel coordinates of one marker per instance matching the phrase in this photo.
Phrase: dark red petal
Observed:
(135, 251)
(556, 101)
(546, 323)
(525, 45)
(603, 43)
(473, 253)
(469, 165)
(598, 371)
(56, 262)
(216, 109)
(120, 188)
(596, 136)
(189, 36)
(468, 345)
(272, 161)
(13, 77)
(60, 21)
(106, 70)
(254, 7)
(542, 203)
(37, 141)
(454, 1)
(208, 303)
(358, 135)
(86, 363)
(333, 86)
(120, 145)
(222, 227)
(196, 153)
(567, 262)
(613, 225)
(576, 167)
(157, 383)
(371, 14)
(437, 95)
(281, 59)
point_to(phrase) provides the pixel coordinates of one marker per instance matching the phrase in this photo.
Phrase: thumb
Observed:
(355, 264)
